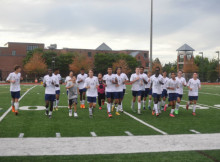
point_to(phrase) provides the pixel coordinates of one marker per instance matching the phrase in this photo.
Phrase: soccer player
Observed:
(156, 82)
(182, 83)
(137, 83)
(81, 80)
(144, 77)
(172, 86)
(119, 89)
(68, 78)
(194, 85)
(14, 80)
(164, 89)
(110, 89)
(101, 91)
(125, 80)
(73, 89)
(57, 75)
(148, 90)
(91, 84)
(50, 82)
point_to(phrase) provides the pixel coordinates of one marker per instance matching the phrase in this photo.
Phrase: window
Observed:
(13, 53)
(139, 57)
(31, 47)
(146, 55)
(89, 54)
(181, 58)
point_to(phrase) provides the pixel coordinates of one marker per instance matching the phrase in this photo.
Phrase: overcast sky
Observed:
(121, 24)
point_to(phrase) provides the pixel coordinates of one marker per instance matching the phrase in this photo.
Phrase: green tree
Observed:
(170, 67)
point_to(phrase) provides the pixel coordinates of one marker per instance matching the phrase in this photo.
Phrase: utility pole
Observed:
(151, 36)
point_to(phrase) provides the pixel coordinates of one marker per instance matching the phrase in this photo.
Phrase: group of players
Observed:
(112, 86)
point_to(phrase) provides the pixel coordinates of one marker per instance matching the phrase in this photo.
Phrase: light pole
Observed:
(151, 36)
(201, 53)
(218, 65)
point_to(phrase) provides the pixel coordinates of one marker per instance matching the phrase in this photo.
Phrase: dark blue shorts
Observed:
(82, 90)
(118, 95)
(191, 98)
(50, 97)
(136, 93)
(164, 93)
(172, 97)
(148, 91)
(124, 91)
(143, 94)
(15, 94)
(110, 95)
(91, 99)
(57, 92)
(179, 95)
(155, 95)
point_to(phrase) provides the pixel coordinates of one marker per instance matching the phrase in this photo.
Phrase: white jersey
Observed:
(92, 83)
(181, 82)
(108, 80)
(68, 78)
(156, 86)
(125, 77)
(50, 82)
(195, 85)
(120, 79)
(58, 78)
(83, 78)
(136, 86)
(143, 77)
(148, 83)
(14, 87)
(172, 84)
(165, 80)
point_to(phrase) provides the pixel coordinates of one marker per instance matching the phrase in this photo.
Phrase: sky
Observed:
(121, 24)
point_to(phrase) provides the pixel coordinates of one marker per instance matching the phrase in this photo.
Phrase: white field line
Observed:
(9, 109)
(194, 131)
(128, 133)
(58, 135)
(108, 145)
(203, 105)
(21, 135)
(93, 134)
(207, 93)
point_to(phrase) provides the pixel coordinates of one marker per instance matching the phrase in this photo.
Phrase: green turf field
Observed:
(33, 123)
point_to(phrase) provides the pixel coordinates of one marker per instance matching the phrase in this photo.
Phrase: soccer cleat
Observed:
(194, 114)
(16, 112)
(117, 113)
(171, 115)
(83, 106)
(149, 107)
(187, 106)
(165, 107)
(109, 115)
(70, 113)
(100, 108)
(176, 112)
(157, 114)
(13, 108)
(113, 107)
(75, 115)
(56, 108)
(153, 112)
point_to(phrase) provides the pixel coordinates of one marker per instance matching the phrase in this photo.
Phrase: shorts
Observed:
(15, 94)
(57, 92)
(172, 97)
(50, 97)
(136, 93)
(124, 92)
(72, 101)
(110, 95)
(180, 96)
(155, 95)
(91, 99)
(82, 90)
(164, 93)
(192, 98)
(143, 94)
(148, 91)
(118, 95)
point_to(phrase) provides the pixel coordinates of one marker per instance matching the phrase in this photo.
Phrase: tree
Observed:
(170, 67)
(123, 64)
(156, 63)
(36, 65)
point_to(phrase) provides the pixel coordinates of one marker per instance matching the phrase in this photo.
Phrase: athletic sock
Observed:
(172, 110)
(194, 108)
(83, 102)
(16, 105)
(177, 106)
(109, 107)
(158, 105)
(144, 103)
(57, 103)
(119, 106)
(139, 105)
(12, 103)
(50, 112)
(132, 104)
(155, 108)
(163, 103)
(149, 103)
(54, 103)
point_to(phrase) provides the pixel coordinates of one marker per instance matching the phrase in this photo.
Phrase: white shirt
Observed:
(156, 86)
(108, 80)
(148, 83)
(83, 78)
(195, 85)
(165, 80)
(143, 77)
(58, 78)
(125, 77)
(68, 78)
(50, 88)
(172, 84)
(120, 79)
(92, 83)
(14, 87)
(181, 82)
(136, 86)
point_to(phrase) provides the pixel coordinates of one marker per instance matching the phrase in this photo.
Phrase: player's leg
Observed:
(99, 101)
(120, 104)
(150, 99)
(75, 108)
(117, 102)
(155, 109)
(113, 103)
(16, 103)
(159, 103)
(144, 99)
(194, 105)
(70, 107)
(12, 102)
(83, 98)
(47, 106)
(172, 108)
(177, 104)
(80, 97)
(139, 103)
(51, 107)
(189, 102)
(57, 99)
(108, 102)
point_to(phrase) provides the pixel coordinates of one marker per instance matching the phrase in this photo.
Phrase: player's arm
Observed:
(86, 85)
(68, 86)
(44, 82)
(78, 81)
(9, 79)
(132, 80)
(188, 86)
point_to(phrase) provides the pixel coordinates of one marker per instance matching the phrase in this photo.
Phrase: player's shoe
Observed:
(109, 115)
(171, 115)
(157, 114)
(83, 106)
(187, 106)
(139, 112)
(100, 108)
(153, 112)
(16, 112)
(176, 112)
(13, 108)
(75, 115)
(149, 107)
(70, 113)
(117, 113)
(194, 114)
(165, 107)
(46, 112)
(56, 108)
(113, 107)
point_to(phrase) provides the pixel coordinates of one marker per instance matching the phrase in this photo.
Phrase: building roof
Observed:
(185, 47)
(134, 54)
(103, 47)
